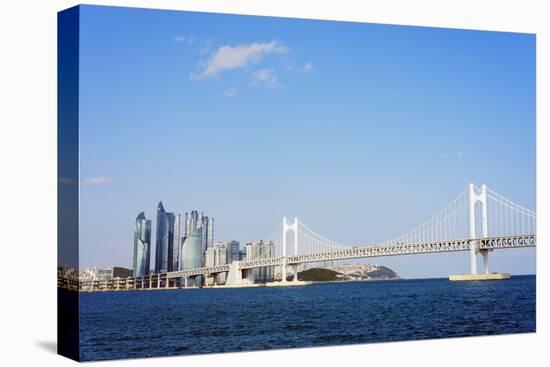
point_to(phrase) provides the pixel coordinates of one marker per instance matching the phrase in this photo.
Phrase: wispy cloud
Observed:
(186, 39)
(207, 46)
(459, 155)
(265, 77)
(307, 68)
(230, 93)
(290, 65)
(236, 57)
(99, 180)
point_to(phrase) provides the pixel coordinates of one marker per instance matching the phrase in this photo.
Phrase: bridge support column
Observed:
(474, 198)
(288, 227)
(283, 269)
(485, 254)
(296, 270)
(185, 282)
(158, 281)
(167, 285)
(473, 262)
(234, 275)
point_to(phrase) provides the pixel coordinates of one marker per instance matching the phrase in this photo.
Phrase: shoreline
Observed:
(270, 284)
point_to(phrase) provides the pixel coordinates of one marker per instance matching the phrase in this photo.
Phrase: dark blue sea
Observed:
(177, 322)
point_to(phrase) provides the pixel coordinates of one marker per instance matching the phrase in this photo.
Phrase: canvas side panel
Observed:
(67, 186)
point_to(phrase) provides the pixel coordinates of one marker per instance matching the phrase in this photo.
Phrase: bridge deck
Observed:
(155, 280)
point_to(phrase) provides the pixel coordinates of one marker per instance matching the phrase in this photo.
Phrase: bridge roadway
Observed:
(154, 281)
(488, 243)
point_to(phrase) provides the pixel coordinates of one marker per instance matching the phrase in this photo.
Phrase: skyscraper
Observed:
(210, 257)
(210, 232)
(191, 222)
(191, 255)
(164, 240)
(261, 250)
(176, 243)
(233, 251)
(142, 246)
(195, 220)
(170, 260)
(204, 224)
(220, 249)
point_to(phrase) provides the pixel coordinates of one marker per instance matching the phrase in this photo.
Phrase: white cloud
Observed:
(235, 57)
(230, 93)
(100, 180)
(266, 77)
(307, 68)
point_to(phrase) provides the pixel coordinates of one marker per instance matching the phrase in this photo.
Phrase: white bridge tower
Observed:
(287, 226)
(475, 198)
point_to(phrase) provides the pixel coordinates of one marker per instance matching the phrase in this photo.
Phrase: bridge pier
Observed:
(295, 279)
(473, 260)
(288, 227)
(485, 254)
(283, 269)
(235, 275)
(480, 198)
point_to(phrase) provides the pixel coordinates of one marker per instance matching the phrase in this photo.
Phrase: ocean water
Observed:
(177, 322)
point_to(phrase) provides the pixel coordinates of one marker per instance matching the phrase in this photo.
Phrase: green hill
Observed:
(383, 272)
(318, 275)
(122, 272)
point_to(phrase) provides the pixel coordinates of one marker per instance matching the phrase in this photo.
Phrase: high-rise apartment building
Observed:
(210, 232)
(191, 251)
(210, 257)
(193, 220)
(260, 250)
(164, 240)
(191, 255)
(142, 246)
(233, 251)
(176, 243)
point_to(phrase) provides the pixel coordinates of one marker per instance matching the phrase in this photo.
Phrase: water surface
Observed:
(175, 322)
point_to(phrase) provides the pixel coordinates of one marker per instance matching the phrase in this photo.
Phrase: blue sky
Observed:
(361, 130)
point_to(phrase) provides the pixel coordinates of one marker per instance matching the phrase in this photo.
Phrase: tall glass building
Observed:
(194, 220)
(191, 251)
(164, 240)
(170, 257)
(261, 250)
(176, 243)
(142, 246)
(233, 251)
(210, 232)
(191, 222)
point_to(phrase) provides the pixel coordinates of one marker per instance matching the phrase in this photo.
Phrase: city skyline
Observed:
(354, 127)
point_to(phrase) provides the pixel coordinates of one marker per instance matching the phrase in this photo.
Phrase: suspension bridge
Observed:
(477, 221)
